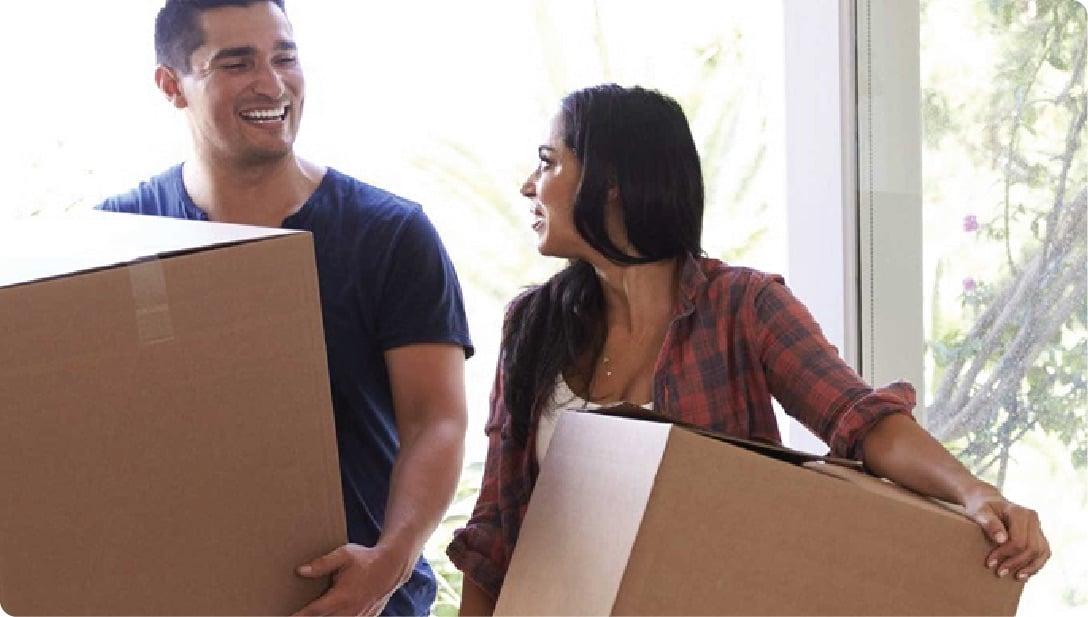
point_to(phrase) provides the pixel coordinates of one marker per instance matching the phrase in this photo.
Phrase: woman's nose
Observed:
(528, 188)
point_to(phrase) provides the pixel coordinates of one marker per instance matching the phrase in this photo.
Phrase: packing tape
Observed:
(153, 323)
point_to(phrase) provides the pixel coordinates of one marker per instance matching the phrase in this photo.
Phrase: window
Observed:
(975, 199)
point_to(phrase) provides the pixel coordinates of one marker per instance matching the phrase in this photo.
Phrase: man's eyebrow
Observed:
(249, 50)
(234, 52)
(543, 149)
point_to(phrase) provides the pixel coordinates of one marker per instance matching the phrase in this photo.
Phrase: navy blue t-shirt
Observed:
(386, 281)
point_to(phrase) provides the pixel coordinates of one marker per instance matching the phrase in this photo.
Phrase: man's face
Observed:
(245, 91)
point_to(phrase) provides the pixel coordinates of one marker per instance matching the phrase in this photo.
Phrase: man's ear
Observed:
(169, 84)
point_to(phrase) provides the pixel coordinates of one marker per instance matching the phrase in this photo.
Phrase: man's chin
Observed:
(266, 156)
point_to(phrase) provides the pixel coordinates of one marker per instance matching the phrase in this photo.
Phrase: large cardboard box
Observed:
(632, 517)
(166, 429)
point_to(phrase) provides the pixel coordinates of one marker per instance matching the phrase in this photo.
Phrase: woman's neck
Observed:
(639, 298)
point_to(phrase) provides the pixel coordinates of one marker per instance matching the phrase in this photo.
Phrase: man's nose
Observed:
(269, 82)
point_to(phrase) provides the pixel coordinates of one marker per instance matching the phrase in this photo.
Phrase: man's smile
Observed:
(266, 115)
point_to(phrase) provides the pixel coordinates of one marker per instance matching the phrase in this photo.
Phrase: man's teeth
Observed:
(265, 114)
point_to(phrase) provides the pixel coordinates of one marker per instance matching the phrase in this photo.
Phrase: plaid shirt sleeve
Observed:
(813, 384)
(479, 549)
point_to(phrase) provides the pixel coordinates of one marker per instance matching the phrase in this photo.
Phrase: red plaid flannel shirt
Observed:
(738, 338)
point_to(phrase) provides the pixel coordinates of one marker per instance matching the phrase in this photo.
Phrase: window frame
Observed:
(853, 169)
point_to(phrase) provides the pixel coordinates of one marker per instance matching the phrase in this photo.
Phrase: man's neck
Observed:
(261, 194)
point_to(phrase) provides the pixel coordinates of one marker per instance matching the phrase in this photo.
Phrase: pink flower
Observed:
(970, 223)
(969, 285)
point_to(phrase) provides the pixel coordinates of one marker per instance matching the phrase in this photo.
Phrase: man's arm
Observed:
(899, 449)
(428, 387)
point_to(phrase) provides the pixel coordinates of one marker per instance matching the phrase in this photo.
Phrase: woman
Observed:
(640, 316)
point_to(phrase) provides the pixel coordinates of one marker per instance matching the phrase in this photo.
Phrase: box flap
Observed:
(41, 248)
(565, 534)
(774, 451)
(886, 488)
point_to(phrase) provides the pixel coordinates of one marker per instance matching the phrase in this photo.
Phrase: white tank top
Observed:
(563, 399)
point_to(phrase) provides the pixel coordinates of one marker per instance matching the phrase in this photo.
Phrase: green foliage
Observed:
(1019, 361)
(448, 599)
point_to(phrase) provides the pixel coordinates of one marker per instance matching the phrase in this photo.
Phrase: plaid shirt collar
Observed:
(693, 280)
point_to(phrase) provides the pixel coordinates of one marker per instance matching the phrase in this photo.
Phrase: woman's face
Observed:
(551, 189)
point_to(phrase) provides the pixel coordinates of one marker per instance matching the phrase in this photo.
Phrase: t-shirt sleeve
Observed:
(117, 203)
(421, 299)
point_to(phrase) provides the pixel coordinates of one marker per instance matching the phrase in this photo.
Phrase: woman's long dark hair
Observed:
(636, 141)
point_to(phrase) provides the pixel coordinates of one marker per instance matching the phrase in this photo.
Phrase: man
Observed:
(395, 326)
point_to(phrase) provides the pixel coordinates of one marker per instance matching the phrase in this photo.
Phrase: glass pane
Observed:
(1004, 181)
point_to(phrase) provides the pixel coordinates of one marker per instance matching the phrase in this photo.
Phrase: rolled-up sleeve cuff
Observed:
(474, 563)
(856, 421)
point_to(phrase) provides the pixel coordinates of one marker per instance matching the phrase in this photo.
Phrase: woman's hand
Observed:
(1022, 548)
(899, 449)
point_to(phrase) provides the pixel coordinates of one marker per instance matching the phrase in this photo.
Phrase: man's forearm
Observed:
(423, 482)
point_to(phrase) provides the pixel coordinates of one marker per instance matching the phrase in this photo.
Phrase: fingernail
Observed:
(1001, 537)
(990, 564)
(1022, 575)
(1002, 571)
(305, 570)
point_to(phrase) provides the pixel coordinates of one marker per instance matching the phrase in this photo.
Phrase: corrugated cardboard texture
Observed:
(166, 436)
(581, 473)
(729, 532)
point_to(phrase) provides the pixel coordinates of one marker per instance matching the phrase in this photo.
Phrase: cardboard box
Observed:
(631, 517)
(166, 428)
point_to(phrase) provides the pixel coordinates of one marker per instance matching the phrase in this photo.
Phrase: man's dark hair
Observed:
(178, 33)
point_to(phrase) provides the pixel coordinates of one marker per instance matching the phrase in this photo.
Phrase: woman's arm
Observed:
(474, 600)
(899, 449)
(814, 385)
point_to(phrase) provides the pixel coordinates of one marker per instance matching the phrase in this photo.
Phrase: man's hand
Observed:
(1022, 548)
(363, 579)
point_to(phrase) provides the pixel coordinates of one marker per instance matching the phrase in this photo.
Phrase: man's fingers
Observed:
(321, 606)
(325, 565)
